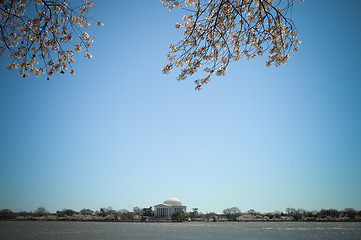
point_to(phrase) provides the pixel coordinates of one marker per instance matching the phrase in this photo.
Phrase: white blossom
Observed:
(43, 38)
(88, 55)
(217, 32)
(78, 48)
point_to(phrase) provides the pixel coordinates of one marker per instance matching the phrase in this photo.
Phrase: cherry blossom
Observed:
(41, 36)
(217, 32)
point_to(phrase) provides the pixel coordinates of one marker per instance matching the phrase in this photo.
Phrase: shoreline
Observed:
(68, 219)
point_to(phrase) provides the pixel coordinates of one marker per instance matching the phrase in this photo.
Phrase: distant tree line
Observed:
(292, 214)
(103, 214)
(140, 214)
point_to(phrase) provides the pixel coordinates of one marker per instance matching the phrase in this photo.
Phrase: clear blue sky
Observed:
(121, 134)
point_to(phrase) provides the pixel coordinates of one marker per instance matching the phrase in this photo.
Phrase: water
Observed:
(180, 231)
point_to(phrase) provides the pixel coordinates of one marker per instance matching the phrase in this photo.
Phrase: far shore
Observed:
(147, 215)
(81, 218)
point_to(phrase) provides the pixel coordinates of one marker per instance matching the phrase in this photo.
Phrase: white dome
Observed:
(173, 202)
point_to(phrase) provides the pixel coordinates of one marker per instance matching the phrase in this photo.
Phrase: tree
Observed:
(40, 212)
(232, 213)
(217, 32)
(126, 215)
(350, 212)
(148, 212)
(328, 213)
(296, 214)
(309, 214)
(85, 211)
(179, 216)
(138, 211)
(6, 214)
(252, 212)
(194, 213)
(210, 216)
(66, 212)
(45, 33)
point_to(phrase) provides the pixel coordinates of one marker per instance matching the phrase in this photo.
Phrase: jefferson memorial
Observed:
(169, 207)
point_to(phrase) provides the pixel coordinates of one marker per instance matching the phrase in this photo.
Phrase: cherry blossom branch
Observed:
(45, 37)
(220, 31)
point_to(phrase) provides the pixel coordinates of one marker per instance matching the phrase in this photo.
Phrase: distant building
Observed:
(169, 207)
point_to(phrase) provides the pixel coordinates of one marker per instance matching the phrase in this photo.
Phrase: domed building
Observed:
(169, 207)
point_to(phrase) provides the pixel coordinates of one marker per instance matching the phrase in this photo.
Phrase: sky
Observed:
(120, 133)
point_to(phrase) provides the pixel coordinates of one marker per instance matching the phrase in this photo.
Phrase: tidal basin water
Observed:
(181, 231)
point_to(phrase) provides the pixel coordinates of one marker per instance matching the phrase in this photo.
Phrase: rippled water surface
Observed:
(181, 231)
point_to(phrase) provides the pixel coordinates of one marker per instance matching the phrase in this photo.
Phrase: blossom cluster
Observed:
(217, 32)
(42, 35)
